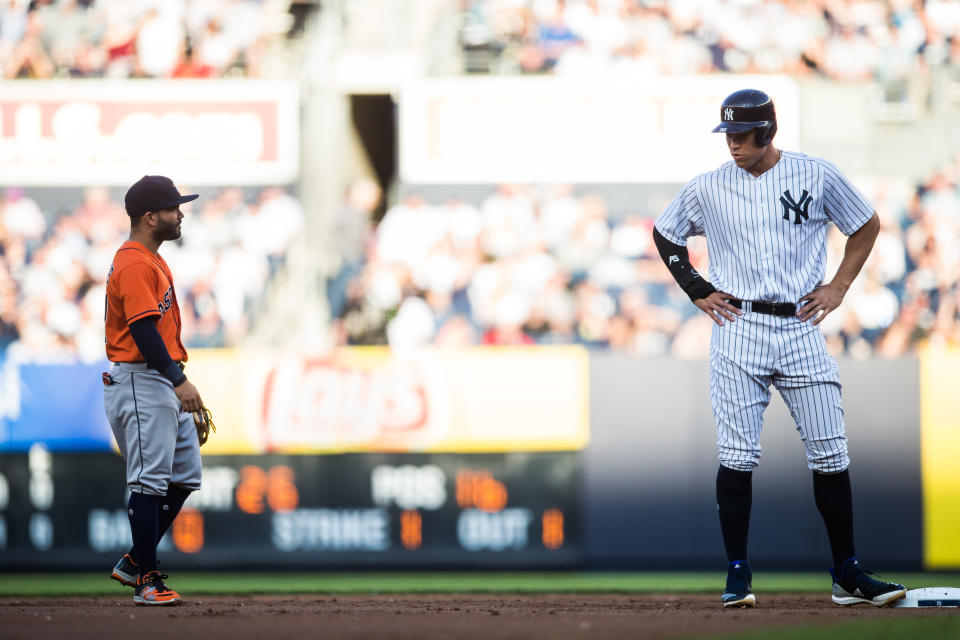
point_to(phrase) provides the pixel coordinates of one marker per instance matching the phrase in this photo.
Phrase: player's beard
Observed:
(167, 230)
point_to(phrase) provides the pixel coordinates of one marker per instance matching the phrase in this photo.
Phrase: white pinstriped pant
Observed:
(748, 355)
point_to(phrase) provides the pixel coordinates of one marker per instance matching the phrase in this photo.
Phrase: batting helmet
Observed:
(748, 109)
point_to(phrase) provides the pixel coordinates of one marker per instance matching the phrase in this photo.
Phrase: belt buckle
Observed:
(781, 309)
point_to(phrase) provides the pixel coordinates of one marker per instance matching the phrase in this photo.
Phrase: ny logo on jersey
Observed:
(728, 114)
(799, 208)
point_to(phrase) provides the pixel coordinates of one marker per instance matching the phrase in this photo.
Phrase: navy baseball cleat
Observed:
(126, 571)
(854, 585)
(739, 592)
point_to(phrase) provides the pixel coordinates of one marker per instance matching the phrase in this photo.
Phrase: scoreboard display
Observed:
(283, 511)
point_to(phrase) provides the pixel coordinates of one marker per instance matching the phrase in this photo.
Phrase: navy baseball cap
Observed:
(151, 193)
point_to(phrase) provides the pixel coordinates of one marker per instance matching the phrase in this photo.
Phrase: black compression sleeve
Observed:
(145, 334)
(677, 260)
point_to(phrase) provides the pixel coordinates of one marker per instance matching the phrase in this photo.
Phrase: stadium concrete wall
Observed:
(624, 480)
(651, 466)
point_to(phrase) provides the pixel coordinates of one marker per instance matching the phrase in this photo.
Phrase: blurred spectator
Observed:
(353, 232)
(216, 50)
(508, 221)
(53, 269)
(412, 326)
(189, 67)
(272, 225)
(28, 57)
(22, 217)
(456, 332)
(158, 41)
(13, 25)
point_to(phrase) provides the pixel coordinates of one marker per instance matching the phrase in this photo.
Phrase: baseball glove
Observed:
(204, 423)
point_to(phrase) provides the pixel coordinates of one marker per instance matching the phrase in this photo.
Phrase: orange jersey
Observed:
(140, 285)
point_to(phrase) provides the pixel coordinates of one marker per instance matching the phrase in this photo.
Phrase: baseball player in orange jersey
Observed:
(147, 398)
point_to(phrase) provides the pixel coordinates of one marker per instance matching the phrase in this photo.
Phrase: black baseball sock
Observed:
(734, 498)
(834, 499)
(144, 513)
(169, 508)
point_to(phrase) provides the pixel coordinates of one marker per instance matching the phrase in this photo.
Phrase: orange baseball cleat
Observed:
(151, 590)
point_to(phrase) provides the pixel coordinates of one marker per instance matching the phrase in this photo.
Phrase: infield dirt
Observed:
(556, 617)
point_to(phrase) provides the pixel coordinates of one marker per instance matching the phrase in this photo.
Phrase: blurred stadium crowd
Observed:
(54, 264)
(887, 40)
(541, 265)
(524, 265)
(140, 38)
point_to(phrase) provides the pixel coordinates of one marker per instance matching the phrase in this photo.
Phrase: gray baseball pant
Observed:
(158, 441)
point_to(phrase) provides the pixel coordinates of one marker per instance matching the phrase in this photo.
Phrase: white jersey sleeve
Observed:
(683, 217)
(843, 203)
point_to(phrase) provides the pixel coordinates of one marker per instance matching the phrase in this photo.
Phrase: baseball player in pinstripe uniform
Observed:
(765, 216)
(146, 396)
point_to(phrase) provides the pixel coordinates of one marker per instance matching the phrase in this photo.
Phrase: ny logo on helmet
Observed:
(728, 114)
(799, 208)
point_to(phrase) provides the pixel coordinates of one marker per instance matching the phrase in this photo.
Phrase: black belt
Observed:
(782, 309)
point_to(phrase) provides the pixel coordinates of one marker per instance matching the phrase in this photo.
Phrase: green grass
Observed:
(938, 628)
(90, 584)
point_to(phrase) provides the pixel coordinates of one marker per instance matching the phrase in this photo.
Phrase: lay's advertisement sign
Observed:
(367, 399)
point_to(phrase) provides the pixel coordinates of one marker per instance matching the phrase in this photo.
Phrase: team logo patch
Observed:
(799, 207)
(728, 114)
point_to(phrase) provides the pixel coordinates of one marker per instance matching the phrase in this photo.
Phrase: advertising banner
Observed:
(110, 132)
(357, 399)
(57, 405)
(549, 129)
(371, 399)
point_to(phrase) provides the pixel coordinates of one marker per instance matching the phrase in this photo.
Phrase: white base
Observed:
(930, 597)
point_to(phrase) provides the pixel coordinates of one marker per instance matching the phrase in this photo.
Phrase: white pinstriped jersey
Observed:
(766, 235)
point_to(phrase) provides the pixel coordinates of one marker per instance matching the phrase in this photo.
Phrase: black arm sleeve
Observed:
(677, 260)
(145, 334)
